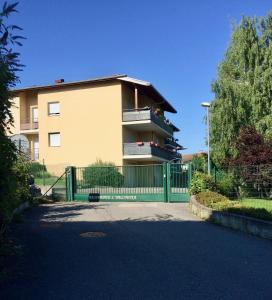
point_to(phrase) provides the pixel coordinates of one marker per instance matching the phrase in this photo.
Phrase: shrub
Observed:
(219, 202)
(200, 162)
(17, 190)
(38, 170)
(226, 184)
(102, 174)
(36, 167)
(201, 182)
(209, 198)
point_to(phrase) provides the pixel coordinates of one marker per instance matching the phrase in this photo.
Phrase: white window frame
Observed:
(55, 144)
(35, 120)
(54, 113)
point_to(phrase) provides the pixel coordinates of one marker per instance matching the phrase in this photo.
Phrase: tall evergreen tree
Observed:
(243, 89)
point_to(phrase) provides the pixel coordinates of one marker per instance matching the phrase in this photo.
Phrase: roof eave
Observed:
(67, 84)
(147, 84)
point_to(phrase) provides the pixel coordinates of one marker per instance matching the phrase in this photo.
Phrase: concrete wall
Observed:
(238, 222)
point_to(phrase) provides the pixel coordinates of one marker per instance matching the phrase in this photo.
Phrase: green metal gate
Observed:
(179, 180)
(151, 183)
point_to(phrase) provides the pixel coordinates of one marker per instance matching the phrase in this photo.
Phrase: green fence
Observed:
(179, 181)
(157, 182)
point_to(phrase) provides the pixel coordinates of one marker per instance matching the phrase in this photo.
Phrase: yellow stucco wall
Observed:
(15, 110)
(89, 124)
(28, 100)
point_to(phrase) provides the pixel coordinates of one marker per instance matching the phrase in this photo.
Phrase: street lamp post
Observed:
(207, 105)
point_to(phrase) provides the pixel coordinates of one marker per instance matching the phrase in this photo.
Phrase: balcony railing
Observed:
(133, 115)
(29, 126)
(31, 154)
(149, 148)
(172, 143)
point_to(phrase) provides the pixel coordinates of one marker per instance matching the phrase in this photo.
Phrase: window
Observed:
(35, 115)
(53, 109)
(54, 139)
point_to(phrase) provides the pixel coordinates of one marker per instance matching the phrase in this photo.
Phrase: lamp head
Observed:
(206, 104)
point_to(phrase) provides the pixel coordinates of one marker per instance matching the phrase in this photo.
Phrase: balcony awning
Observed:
(175, 128)
(148, 89)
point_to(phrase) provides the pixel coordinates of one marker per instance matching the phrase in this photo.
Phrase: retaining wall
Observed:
(242, 223)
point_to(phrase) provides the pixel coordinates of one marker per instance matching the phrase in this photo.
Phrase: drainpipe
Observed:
(136, 97)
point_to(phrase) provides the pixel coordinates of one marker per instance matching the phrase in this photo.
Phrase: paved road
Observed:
(146, 251)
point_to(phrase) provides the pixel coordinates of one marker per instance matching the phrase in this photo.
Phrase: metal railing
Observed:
(133, 179)
(149, 148)
(142, 114)
(248, 181)
(171, 142)
(167, 182)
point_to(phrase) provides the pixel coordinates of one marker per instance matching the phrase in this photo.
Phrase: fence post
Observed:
(43, 177)
(70, 183)
(168, 182)
(165, 181)
(189, 174)
(214, 174)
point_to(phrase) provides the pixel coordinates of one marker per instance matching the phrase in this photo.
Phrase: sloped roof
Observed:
(145, 87)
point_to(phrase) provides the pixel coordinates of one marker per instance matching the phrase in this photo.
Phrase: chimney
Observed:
(57, 81)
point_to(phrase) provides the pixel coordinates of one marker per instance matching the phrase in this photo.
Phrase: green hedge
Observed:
(219, 202)
(102, 174)
(38, 170)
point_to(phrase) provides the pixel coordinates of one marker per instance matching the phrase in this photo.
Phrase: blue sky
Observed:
(176, 45)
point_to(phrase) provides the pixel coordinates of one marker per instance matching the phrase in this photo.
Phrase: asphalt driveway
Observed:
(134, 251)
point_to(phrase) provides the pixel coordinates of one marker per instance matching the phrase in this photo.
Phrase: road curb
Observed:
(238, 222)
(21, 207)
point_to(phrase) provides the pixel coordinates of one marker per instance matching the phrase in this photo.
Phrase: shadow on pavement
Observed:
(154, 257)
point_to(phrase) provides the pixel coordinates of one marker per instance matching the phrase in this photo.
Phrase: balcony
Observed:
(148, 151)
(33, 154)
(147, 120)
(29, 126)
(172, 143)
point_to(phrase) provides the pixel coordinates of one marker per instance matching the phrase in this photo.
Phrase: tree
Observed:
(243, 89)
(251, 149)
(200, 162)
(10, 180)
(252, 164)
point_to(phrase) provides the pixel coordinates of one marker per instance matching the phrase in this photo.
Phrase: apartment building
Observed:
(117, 119)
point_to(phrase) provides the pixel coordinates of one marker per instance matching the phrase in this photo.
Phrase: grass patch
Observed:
(50, 181)
(256, 208)
(257, 203)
